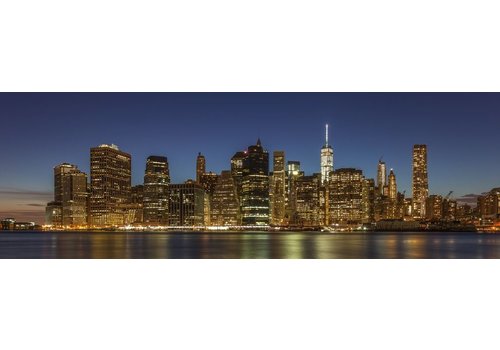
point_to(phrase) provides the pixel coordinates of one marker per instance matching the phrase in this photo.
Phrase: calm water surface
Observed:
(303, 245)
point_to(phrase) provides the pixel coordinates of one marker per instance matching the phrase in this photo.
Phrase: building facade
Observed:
(255, 187)
(420, 181)
(225, 209)
(110, 180)
(186, 204)
(326, 160)
(155, 191)
(278, 189)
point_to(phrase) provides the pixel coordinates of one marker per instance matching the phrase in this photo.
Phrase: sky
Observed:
(41, 130)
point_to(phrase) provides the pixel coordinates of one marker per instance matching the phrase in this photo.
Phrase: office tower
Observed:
(420, 181)
(308, 213)
(488, 205)
(155, 196)
(237, 170)
(137, 201)
(69, 207)
(186, 204)
(110, 179)
(200, 167)
(450, 209)
(293, 173)
(326, 160)
(346, 197)
(434, 208)
(53, 214)
(255, 187)
(209, 181)
(225, 208)
(368, 205)
(278, 188)
(381, 176)
(393, 187)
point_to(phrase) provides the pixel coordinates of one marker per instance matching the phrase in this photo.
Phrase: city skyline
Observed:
(22, 192)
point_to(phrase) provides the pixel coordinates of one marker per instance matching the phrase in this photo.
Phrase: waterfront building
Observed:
(420, 181)
(155, 191)
(434, 208)
(326, 160)
(110, 179)
(308, 211)
(488, 205)
(137, 201)
(53, 214)
(186, 204)
(368, 204)
(225, 208)
(346, 196)
(69, 207)
(200, 167)
(278, 189)
(255, 187)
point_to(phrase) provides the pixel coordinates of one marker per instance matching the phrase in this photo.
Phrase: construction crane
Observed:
(448, 196)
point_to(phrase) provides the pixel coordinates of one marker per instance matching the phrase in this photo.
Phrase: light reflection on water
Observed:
(249, 245)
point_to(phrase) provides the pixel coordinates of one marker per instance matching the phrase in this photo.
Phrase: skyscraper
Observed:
(293, 174)
(393, 187)
(278, 186)
(186, 204)
(155, 196)
(326, 160)
(346, 196)
(420, 181)
(381, 176)
(225, 206)
(70, 197)
(200, 167)
(308, 212)
(110, 179)
(255, 187)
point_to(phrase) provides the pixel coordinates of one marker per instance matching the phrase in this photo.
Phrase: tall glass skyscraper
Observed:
(255, 187)
(278, 189)
(156, 186)
(326, 160)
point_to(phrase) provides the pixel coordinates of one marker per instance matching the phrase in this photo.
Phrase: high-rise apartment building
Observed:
(278, 189)
(326, 160)
(225, 208)
(420, 181)
(255, 187)
(110, 180)
(434, 208)
(156, 186)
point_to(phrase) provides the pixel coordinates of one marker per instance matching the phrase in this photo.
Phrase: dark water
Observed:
(249, 246)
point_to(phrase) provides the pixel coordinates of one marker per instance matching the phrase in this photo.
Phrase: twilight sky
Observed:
(41, 130)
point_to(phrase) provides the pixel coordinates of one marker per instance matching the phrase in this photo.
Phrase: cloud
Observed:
(470, 198)
(20, 192)
(34, 205)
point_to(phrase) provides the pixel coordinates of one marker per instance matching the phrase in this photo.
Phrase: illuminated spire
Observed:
(326, 144)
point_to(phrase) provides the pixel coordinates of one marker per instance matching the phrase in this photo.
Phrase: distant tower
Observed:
(381, 176)
(393, 187)
(420, 181)
(200, 167)
(326, 160)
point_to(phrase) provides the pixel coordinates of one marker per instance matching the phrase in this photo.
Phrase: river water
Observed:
(248, 245)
